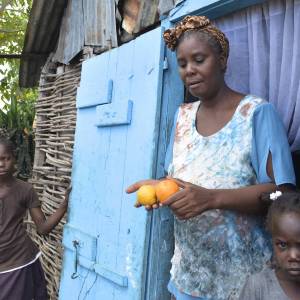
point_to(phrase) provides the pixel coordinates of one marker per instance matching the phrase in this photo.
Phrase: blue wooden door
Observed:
(109, 252)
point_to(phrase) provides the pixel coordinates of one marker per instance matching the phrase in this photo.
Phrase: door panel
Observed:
(106, 239)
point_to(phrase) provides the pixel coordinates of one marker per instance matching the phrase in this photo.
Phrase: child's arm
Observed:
(43, 225)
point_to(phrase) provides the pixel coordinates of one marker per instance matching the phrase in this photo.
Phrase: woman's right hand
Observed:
(135, 186)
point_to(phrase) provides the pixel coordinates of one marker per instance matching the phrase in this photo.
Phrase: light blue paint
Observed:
(124, 252)
(93, 90)
(109, 90)
(210, 8)
(112, 276)
(161, 235)
(114, 114)
(106, 160)
(87, 243)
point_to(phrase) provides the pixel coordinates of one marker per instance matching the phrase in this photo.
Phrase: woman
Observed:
(225, 151)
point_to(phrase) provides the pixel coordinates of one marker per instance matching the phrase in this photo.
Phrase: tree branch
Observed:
(10, 31)
(17, 10)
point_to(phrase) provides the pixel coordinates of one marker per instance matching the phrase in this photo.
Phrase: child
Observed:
(21, 274)
(282, 281)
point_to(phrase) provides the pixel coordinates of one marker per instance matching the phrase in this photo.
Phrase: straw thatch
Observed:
(54, 138)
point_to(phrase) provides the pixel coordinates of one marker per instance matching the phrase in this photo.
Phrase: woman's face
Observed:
(286, 245)
(200, 67)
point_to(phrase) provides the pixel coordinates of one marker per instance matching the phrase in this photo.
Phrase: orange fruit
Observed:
(146, 195)
(166, 188)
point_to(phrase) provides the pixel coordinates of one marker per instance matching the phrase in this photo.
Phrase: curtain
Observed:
(265, 57)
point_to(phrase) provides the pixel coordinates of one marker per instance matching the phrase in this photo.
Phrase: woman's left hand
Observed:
(190, 201)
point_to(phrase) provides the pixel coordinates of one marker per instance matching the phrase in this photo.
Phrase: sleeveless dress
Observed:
(217, 250)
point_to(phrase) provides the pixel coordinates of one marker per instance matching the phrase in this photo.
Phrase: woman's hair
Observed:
(287, 202)
(9, 146)
(202, 26)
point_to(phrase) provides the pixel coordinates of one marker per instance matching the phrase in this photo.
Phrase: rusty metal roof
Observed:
(40, 38)
(64, 27)
(86, 23)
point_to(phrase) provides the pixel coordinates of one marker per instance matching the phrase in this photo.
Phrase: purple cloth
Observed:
(27, 283)
(264, 57)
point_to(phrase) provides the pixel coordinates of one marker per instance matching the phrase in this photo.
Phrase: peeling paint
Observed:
(130, 266)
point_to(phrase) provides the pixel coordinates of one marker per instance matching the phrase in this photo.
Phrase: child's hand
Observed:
(65, 203)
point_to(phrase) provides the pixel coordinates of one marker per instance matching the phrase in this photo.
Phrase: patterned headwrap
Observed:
(197, 23)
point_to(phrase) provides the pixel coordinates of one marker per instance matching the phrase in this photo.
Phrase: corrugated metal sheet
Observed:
(165, 6)
(139, 14)
(85, 23)
(40, 38)
(100, 27)
(71, 36)
(80, 23)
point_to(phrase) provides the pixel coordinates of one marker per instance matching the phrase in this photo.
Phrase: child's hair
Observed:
(9, 146)
(287, 202)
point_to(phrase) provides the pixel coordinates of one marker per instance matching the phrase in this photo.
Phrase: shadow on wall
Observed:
(296, 161)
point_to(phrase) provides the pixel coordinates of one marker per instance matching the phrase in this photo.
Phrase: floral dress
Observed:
(217, 250)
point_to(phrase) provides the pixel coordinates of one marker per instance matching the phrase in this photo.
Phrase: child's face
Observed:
(286, 244)
(6, 162)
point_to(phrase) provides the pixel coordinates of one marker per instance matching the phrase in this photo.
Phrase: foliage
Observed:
(13, 21)
(17, 118)
(17, 104)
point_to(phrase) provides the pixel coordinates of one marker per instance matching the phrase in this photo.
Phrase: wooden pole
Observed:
(25, 55)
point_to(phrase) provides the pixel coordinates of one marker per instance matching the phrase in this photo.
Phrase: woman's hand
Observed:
(134, 187)
(190, 201)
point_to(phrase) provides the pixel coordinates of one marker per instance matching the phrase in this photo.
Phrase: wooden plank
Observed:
(112, 276)
(113, 114)
(100, 23)
(93, 29)
(87, 244)
(148, 15)
(94, 90)
(112, 170)
(92, 266)
(140, 157)
(139, 14)
(71, 36)
(106, 160)
(165, 6)
(161, 240)
(86, 205)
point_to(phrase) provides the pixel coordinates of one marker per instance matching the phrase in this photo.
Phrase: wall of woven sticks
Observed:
(54, 138)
